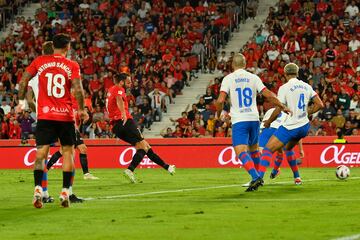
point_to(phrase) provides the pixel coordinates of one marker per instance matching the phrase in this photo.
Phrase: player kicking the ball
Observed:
(125, 128)
(242, 87)
(296, 94)
(57, 75)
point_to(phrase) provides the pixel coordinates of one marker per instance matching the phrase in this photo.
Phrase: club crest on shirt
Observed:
(46, 109)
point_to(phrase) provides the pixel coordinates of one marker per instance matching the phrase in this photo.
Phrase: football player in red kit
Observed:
(124, 127)
(56, 76)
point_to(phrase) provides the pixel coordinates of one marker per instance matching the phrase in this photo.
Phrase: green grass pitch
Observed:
(193, 204)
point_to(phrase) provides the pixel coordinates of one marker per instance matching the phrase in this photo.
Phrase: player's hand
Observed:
(302, 154)
(124, 118)
(83, 115)
(287, 110)
(267, 124)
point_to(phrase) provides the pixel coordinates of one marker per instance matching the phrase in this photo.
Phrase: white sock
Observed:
(45, 194)
(70, 190)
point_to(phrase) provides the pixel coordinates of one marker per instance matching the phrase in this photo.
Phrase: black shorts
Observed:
(128, 132)
(78, 138)
(48, 132)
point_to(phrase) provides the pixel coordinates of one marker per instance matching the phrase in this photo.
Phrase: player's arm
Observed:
(79, 93)
(220, 103)
(22, 90)
(121, 105)
(318, 104)
(30, 99)
(272, 118)
(224, 91)
(271, 97)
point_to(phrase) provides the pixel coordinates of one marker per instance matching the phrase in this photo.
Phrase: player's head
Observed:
(122, 79)
(48, 48)
(61, 43)
(238, 61)
(291, 70)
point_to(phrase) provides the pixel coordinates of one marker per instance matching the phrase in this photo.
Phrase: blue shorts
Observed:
(285, 135)
(245, 133)
(265, 136)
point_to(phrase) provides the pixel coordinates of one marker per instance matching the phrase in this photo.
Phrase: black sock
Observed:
(84, 162)
(67, 179)
(38, 176)
(54, 158)
(137, 158)
(156, 159)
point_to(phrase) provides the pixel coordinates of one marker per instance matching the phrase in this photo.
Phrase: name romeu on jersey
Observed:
(242, 86)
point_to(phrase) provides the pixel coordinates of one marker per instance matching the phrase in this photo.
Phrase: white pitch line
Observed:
(272, 200)
(352, 237)
(195, 189)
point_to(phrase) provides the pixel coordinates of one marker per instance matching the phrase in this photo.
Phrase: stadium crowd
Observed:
(322, 37)
(160, 43)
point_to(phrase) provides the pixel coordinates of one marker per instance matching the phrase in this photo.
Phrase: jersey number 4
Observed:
(55, 85)
(244, 96)
(301, 103)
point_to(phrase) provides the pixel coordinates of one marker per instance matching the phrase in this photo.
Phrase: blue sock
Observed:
(255, 156)
(44, 182)
(248, 164)
(265, 159)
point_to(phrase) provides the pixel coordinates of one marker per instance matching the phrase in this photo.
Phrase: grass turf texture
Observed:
(323, 209)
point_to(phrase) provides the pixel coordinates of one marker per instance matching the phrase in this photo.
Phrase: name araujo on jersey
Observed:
(293, 88)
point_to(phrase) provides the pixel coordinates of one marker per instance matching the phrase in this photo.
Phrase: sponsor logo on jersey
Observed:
(45, 109)
(339, 155)
(48, 109)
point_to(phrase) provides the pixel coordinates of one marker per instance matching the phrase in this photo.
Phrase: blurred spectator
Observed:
(5, 106)
(339, 119)
(168, 133)
(26, 122)
(251, 8)
(157, 103)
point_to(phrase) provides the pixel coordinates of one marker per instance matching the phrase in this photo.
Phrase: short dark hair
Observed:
(48, 48)
(61, 41)
(121, 77)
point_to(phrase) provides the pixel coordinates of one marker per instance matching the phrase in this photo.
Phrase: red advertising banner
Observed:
(184, 153)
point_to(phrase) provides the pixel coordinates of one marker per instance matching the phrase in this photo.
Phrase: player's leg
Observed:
(121, 131)
(277, 163)
(240, 140)
(131, 134)
(44, 133)
(66, 133)
(84, 161)
(46, 198)
(80, 145)
(290, 157)
(53, 159)
(154, 157)
(276, 142)
(39, 165)
(72, 197)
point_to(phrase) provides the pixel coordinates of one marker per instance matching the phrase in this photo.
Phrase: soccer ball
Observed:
(342, 172)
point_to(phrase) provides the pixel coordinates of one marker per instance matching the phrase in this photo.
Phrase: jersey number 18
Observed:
(55, 85)
(244, 97)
